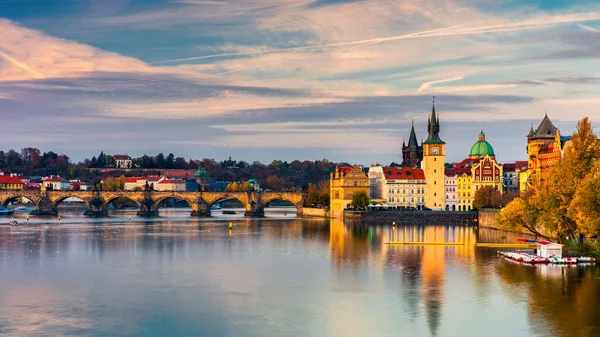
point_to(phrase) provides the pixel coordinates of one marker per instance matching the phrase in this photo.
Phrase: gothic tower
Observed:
(412, 154)
(433, 164)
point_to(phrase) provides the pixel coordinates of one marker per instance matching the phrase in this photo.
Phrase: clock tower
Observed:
(433, 164)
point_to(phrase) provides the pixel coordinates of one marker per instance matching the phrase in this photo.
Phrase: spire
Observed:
(531, 132)
(412, 140)
(433, 127)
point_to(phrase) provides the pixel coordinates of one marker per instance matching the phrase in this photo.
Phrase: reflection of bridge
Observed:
(46, 202)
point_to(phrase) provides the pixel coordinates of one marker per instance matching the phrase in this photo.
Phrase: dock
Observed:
(506, 245)
(427, 243)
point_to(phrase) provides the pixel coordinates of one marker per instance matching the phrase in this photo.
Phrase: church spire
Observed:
(412, 139)
(433, 127)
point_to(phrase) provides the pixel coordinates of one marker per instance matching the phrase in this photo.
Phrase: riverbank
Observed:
(414, 217)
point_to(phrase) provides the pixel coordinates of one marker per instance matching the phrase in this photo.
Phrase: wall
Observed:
(487, 217)
(316, 212)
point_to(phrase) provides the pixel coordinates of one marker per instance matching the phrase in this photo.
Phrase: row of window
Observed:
(412, 200)
(412, 191)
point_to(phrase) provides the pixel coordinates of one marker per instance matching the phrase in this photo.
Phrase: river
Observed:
(277, 276)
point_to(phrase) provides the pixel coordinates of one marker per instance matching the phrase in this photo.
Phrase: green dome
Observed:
(481, 147)
(199, 173)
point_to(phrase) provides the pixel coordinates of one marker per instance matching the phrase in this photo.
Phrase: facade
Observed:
(412, 154)
(544, 150)
(376, 183)
(464, 189)
(450, 188)
(175, 185)
(433, 165)
(55, 183)
(130, 184)
(511, 175)
(9, 182)
(122, 161)
(343, 183)
(487, 172)
(405, 187)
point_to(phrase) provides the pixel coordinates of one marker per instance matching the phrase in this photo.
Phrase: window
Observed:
(434, 194)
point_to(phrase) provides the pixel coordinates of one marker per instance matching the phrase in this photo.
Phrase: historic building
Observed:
(433, 164)
(479, 169)
(511, 173)
(10, 182)
(544, 150)
(343, 183)
(55, 183)
(412, 154)
(376, 183)
(450, 186)
(405, 187)
(122, 161)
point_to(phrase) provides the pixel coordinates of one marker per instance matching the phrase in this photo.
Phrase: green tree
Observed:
(360, 199)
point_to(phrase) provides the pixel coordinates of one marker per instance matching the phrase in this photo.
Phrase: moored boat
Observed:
(5, 211)
(13, 223)
(585, 259)
(563, 260)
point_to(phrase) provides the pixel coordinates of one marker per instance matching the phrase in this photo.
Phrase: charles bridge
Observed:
(46, 202)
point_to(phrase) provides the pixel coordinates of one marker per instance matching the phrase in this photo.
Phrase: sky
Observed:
(292, 79)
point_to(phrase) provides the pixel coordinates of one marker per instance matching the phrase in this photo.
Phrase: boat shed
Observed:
(549, 249)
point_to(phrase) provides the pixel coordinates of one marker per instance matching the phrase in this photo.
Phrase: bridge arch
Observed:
(161, 199)
(57, 201)
(225, 198)
(7, 201)
(112, 198)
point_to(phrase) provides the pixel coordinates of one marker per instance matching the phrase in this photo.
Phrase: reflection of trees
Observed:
(561, 299)
(348, 245)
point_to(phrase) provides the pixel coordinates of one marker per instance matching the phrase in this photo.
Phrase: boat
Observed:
(563, 260)
(228, 212)
(585, 259)
(5, 211)
(215, 206)
(13, 223)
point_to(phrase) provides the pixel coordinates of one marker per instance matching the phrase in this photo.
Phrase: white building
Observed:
(55, 183)
(170, 185)
(450, 186)
(376, 183)
(122, 161)
(405, 187)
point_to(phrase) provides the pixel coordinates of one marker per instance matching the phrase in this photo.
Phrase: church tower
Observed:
(412, 154)
(433, 164)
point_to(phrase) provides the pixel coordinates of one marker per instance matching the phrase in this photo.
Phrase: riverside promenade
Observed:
(469, 218)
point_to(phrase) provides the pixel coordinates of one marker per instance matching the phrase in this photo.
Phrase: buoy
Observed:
(59, 218)
(230, 225)
(393, 223)
(28, 218)
(130, 217)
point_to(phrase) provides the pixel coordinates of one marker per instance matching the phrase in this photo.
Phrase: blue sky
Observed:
(305, 79)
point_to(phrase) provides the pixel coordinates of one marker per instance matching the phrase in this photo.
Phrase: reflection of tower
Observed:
(202, 179)
(432, 271)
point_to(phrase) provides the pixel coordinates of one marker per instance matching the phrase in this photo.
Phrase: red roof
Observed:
(10, 180)
(121, 157)
(131, 180)
(172, 181)
(56, 178)
(345, 169)
(403, 173)
(466, 163)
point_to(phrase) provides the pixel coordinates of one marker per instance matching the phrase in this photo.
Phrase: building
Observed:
(343, 183)
(544, 150)
(464, 189)
(450, 189)
(433, 164)
(130, 184)
(376, 183)
(10, 182)
(511, 173)
(412, 154)
(176, 185)
(55, 183)
(202, 180)
(405, 187)
(122, 161)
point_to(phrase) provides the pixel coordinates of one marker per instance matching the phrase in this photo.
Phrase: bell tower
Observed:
(433, 164)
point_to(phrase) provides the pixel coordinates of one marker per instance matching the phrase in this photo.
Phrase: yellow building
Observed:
(487, 172)
(464, 190)
(544, 150)
(343, 183)
(433, 165)
(10, 183)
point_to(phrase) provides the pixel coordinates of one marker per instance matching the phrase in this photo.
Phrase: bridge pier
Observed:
(45, 207)
(254, 209)
(299, 209)
(200, 210)
(97, 208)
(148, 208)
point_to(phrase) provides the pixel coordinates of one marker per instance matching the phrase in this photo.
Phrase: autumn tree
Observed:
(487, 197)
(360, 199)
(585, 207)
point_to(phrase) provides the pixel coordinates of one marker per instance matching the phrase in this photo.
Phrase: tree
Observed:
(170, 161)
(487, 197)
(585, 207)
(312, 195)
(360, 199)
(180, 163)
(517, 216)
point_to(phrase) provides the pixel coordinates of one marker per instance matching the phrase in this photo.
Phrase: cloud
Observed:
(426, 85)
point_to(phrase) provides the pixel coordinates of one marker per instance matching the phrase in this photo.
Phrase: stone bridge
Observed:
(46, 202)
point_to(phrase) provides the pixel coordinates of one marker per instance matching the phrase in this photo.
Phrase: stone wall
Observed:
(316, 212)
(414, 217)
(487, 218)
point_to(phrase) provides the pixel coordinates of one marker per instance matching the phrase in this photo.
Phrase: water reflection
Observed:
(280, 277)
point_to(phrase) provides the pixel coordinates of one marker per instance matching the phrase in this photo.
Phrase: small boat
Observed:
(585, 259)
(5, 211)
(215, 207)
(228, 212)
(13, 223)
(564, 260)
